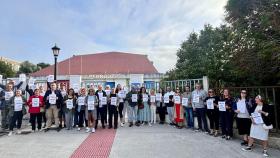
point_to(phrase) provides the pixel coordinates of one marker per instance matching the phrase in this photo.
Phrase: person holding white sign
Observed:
(91, 106)
(243, 120)
(144, 108)
(35, 102)
(198, 97)
(213, 112)
(153, 106)
(16, 105)
(226, 115)
(82, 110)
(260, 131)
(178, 109)
(161, 106)
(113, 109)
(7, 94)
(169, 103)
(132, 106)
(186, 102)
(121, 94)
(53, 100)
(69, 104)
(42, 109)
(101, 109)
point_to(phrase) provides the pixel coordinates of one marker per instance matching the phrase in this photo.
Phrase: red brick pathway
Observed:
(96, 145)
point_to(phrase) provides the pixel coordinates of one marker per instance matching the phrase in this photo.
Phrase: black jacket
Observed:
(59, 100)
(265, 108)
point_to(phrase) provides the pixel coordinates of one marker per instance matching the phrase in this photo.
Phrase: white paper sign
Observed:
(76, 88)
(177, 99)
(241, 106)
(1, 78)
(9, 95)
(153, 98)
(108, 92)
(185, 101)
(18, 104)
(166, 99)
(104, 101)
(134, 98)
(31, 81)
(121, 94)
(81, 101)
(158, 97)
(222, 105)
(52, 98)
(196, 98)
(210, 104)
(145, 97)
(90, 103)
(22, 77)
(51, 78)
(257, 118)
(69, 104)
(100, 95)
(63, 93)
(114, 101)
(35, 102)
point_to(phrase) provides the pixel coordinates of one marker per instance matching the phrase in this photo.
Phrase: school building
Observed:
(108, 68)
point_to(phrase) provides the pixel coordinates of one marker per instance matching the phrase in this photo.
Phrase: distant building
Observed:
(15, 64)
(109, 68)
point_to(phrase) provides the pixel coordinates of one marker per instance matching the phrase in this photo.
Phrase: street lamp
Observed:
(55, 50)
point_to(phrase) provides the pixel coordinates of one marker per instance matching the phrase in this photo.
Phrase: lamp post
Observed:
(55, 50)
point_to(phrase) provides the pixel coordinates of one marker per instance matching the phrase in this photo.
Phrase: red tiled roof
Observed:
(102, 63)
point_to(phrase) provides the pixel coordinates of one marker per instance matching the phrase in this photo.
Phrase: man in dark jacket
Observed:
(53, 100)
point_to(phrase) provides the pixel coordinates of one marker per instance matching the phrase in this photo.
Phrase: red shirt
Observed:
(35, 109)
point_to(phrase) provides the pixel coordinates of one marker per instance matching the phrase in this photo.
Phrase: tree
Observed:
(6, 70)
(26, 67)
(42, 65)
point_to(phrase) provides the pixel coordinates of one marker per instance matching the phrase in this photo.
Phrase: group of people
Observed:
(69, 109)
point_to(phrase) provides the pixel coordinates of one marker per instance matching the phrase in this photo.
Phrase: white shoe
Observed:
(93, 130)
(79, 129)
(150, 124)
(122, 124)
(88, 130)
(18, 131)
(33, 131)
(10, 133)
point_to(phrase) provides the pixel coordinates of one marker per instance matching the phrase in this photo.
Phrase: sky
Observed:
(30, 28)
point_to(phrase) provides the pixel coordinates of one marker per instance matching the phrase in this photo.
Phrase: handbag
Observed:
(267, 127)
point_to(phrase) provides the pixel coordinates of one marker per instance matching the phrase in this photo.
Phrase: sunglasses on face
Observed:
(243, 92)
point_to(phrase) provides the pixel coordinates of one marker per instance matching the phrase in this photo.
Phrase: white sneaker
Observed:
(122, 124)
(79, 129)
(150, 124)
(33, 131)
(18, 131)
(93, 130)
(10, 133)
(87, 130)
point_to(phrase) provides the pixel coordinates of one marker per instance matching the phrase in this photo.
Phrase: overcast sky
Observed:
(29, 28)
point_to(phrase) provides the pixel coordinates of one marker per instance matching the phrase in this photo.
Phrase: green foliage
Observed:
(42, 65)
(26, 67)
(6, 70)
(246, 51)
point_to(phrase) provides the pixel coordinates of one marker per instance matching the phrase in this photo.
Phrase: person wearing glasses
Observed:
(242, 108)
(261, 124)
(178, 109)
(91, 112)
(213, 112)
(198, 97)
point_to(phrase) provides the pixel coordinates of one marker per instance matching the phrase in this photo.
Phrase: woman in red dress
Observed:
(178, 111)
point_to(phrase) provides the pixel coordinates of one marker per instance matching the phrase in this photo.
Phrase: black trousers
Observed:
(113, 112)
(227, 122)
(33, 118)
(44, 117)
(81, 119)
(121, 105)
(16, 119)
(162, 112)
(101, 112)
(213, 115)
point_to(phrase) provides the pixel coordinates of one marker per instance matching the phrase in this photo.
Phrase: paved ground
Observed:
(137, 142)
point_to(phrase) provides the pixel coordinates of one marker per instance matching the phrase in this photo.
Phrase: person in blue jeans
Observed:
(188, 107)
(198, 96)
